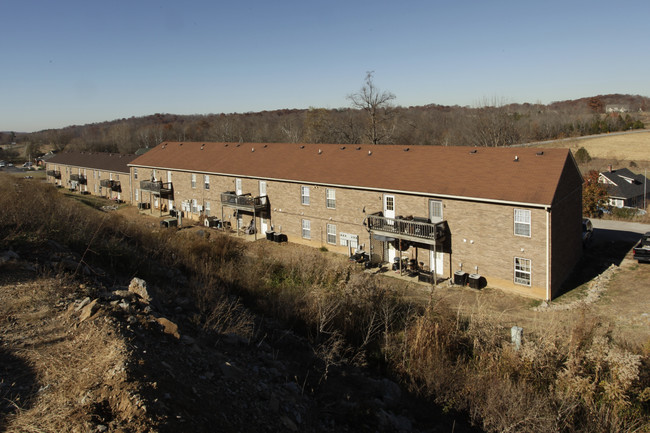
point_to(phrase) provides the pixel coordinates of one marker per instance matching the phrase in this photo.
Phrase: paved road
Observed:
(622, 226)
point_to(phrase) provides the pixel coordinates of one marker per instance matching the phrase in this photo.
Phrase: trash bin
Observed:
(475, 281)
(269, 236)
(460, 278)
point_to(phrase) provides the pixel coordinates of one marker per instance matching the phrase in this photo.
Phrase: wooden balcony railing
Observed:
(79, 178)
(246, 201)
(407, 228)
(157, 187)
(54, 173)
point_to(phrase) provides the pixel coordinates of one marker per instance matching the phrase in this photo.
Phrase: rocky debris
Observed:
(139, 287)
(169, 327)
(596, 288)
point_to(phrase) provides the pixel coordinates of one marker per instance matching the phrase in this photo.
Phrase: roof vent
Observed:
(359, 148)
(225, 145)
(407, 149)
(342, 147)
(540, 153)
(252, 149)
(238, 144)
(473, 151)
(302, 146)
(370, 152)
(180, 144)
(320, 151)
(265, 146)
(516, 158)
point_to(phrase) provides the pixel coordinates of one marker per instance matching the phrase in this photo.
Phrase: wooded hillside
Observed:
(491, 124)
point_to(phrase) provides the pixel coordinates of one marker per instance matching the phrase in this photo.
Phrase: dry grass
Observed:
(615, 147)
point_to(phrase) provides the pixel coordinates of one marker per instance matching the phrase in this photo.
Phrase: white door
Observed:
(389, 206)
(238, 188)
(262, 188)
(435, 211)
(263, 226)
(437, 261)
(169, 176)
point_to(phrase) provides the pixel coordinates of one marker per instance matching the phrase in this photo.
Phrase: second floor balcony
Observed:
(79, 178)
(163, 189)
(408, 228)
(54, 173)
(244, 202)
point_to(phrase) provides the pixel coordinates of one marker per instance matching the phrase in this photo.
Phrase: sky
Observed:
(76, 62)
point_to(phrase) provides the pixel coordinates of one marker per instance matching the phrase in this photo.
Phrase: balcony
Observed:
(410, 228)
(106, 183)
(79, 178)
(157, 188)
(244, 202)
(54, 173)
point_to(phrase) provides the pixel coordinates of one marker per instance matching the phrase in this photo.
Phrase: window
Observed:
(306, 229)
(110, 176)
(95, 188)
(195, 207)
(153, 175)
(99, 174)
(304, 195)
(206, 181)
(117, 176)
(137, 195)
(207, 208)
(238, 187)
(522, 271)
(331, 234)
(330, 196)
(522, 222)
(193, 180)
(135, 173)
(435, 210)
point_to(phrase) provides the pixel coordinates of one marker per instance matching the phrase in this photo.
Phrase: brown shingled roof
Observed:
(94, 160)
(505, 174)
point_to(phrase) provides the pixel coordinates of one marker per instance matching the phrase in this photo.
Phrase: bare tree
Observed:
(378, 106)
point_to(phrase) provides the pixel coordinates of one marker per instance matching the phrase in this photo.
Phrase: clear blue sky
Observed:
(75, 62)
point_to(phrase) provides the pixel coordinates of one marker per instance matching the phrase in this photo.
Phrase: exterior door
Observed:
(389, 212)
(238, 187)
(435, 211)
(437, 260)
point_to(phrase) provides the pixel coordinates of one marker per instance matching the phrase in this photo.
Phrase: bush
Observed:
(582, 156)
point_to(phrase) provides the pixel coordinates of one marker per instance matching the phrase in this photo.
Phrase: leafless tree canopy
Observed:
(372, 119)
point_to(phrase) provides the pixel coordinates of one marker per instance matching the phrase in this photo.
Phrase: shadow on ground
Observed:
(17, 385)
(606, 247)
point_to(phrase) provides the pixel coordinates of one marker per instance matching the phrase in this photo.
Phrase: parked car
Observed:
(641, 250)
(587, 231)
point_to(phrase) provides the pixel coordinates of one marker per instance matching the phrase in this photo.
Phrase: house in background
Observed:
(511, 216)
(101, 174)
(624, 188)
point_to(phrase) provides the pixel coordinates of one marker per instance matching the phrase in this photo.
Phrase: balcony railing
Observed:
(117, 187)
(106, 183)
(79, 178)
(54, 173)
(157, 187)
(247, 201)
(407, 228)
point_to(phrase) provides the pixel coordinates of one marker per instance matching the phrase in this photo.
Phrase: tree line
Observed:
(370, 119)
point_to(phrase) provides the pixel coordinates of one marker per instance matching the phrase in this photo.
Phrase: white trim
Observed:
(388, 191)
(529, 272)
(548, 257)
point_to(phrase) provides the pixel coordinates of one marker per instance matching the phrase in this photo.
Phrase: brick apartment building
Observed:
(512, 216)
(101, 174)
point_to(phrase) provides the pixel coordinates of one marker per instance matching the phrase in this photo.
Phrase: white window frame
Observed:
(522, 219)
(193, 180)
(330, 198)
(523, 271)
(435, 210)
(306, 229)
(207, 209)
(137, 195)
(331, 234)
(206, 181)
(195, 206)
(239, 189)
(304, 195)
(135, 173)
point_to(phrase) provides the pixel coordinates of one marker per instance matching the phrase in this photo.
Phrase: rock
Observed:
(88, 310)
(169, 327)
(123, 294)
(139, 287)
(187, 340)
(288, 423)
(82, 304)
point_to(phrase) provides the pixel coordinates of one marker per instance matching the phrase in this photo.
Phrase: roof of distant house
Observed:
(624, 183)
(521, 175)
(95, 160)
